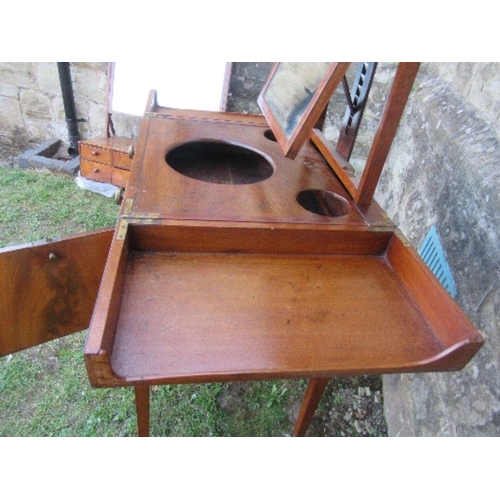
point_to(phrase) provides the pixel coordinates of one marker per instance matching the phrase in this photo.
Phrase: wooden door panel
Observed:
(48, 290)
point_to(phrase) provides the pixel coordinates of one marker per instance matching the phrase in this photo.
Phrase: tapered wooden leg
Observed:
(142, 409)
(312, 398)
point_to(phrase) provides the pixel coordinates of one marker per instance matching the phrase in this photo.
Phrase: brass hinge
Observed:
(151, 216)
(141, 219)
(403, 238)
(127, 206)
(122, 229)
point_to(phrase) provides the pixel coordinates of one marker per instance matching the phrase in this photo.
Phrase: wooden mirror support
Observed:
(363, 189)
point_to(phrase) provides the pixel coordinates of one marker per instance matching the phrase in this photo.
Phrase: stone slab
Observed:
(46, 149)
(69, 167)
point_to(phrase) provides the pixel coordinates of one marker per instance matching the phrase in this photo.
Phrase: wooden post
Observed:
(312, 398)
(142, 409)
(386, 132)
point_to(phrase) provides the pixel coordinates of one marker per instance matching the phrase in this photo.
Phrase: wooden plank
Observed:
(142, 409)
(166, 189)
(248, 238)
(108, 300)
(339, 165)
(313, 395)
(400, 91)
(208, 317)
(451, 325)
(49, 290)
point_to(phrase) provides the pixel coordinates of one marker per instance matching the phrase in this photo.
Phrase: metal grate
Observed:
(432, 254)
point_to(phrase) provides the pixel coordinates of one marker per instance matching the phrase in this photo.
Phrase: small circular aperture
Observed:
(268, 134)
(321, 202)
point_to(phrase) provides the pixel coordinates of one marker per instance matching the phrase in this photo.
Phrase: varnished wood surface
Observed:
(363, 189)
(315, 390)
(49, 290)
(292, 143)
(191, 315)
(95, 171)
(107, 305)
(448, 320)
(142, 409)
(162, 190)
(211, 282)
(175, 236)
(339, 165)
(186, 317)
(386, 132)
(106, 159)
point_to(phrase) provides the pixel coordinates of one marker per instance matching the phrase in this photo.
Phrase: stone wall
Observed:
(444, 170)
(32, 108)
(245, 85)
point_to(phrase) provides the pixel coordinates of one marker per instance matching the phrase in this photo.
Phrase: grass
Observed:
(36, 205)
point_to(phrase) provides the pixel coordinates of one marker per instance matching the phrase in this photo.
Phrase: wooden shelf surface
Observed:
(215, 315)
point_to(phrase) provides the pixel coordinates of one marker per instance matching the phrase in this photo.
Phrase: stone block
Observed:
(89, 84)
(96, 122)
(96, 66)
(10, 116)
(47, 78)
(8, 90)
(39, 130)
(126, 125)
(35, 105)
(18, 74)
(69, 167)
(485, 88)
(443, 171)
(47, 149)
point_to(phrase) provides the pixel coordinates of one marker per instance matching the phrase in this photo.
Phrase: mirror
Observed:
(294, 98)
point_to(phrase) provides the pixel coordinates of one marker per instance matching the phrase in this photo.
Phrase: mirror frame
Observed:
(292, 144)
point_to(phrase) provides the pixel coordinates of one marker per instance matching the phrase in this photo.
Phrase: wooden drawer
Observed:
(96, 171)
(119, 177)
(121, 159)
(95, 153)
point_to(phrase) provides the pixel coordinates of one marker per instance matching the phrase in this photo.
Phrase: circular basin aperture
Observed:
(321, 202)
(219, 162)
(268, 134)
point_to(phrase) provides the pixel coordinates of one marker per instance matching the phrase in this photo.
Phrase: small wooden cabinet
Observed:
(106, 159)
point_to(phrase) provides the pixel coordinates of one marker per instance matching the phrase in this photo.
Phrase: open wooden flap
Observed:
(49, 289)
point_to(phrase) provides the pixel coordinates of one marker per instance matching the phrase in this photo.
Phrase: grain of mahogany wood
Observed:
(281, 316)
(49, 290)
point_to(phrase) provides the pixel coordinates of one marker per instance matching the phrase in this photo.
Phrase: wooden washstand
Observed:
(244, 250)
(231, 262)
